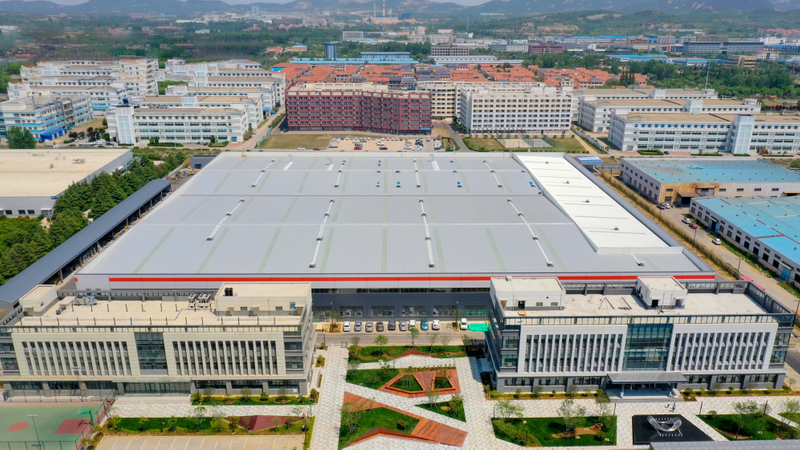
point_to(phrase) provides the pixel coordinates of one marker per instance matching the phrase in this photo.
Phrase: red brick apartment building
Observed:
(357, 107)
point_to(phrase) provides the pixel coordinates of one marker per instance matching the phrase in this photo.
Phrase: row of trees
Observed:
(24, 240)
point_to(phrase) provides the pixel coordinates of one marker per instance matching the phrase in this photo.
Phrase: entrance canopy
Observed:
(646, 377)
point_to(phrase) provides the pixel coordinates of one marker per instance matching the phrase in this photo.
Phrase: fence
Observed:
(595, 143)
(264, 137)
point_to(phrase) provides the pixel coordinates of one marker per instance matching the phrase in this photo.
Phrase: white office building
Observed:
(250, 103)
(510, 109)
(45, 116)
(103, 97)
(272, 87)
(137, 76)
(739, 134)
(595, 115)
(129, 125)
(639, 94)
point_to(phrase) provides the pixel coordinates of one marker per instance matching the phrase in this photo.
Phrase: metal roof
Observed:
(713, 170)
(51, 263)
(351, 213)
(638, 376)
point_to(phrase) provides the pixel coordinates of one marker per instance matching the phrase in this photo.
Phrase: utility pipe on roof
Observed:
(428, 242)
(321, 233)
(535, 237)
(499, 184)
(224, 218)
(255, 183)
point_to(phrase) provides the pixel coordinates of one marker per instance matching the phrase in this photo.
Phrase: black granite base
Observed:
(644, 433)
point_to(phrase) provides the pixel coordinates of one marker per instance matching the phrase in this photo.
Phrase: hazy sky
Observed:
(244, 2)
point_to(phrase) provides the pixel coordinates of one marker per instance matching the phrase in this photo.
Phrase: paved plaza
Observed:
(478, 409)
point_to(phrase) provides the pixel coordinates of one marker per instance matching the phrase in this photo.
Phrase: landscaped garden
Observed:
(356, 422)
(408, 383)
(572, 428)
(453, 408)
(750, 422)
(374, 353)
(283, 398)
(205, 422)
(371, 378)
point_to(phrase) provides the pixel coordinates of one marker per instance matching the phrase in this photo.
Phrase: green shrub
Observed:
(196, 397)
(712, 414)
(314, 395)
(401, 424)
(494, 394)
(689, 392)
(600, 436)
(730, 389)
(263, 397)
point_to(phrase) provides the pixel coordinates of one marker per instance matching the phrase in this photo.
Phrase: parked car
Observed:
(346, 327)
(379, 327)
(392, 325)
(424, 325)
(301, 149)
(412, 323)
(463, 323)
(435, 324)
(316, 149)
(661, 206)
(666, 152)
(403, 326)
(693, 226)
(358, 327)
(686, 220)
(717, 241)
(369, 327)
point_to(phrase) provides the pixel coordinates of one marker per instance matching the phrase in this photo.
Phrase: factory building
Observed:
(650, 333)
(680, 180)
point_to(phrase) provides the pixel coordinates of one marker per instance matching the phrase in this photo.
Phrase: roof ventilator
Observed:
(321, 232)
(535, 237)
(499, 184)
(427, 233)
(339, 176)
(416, 173)
(228, 214)
(638, 261)
(255, 183)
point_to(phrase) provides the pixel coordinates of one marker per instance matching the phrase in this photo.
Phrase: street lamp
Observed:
(38, 440)
(738, 266)
(693, 237)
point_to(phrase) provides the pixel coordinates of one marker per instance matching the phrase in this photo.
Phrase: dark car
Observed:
(379, 327)
(392, 326)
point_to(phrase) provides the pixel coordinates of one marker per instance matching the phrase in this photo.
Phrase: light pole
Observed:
(738, 266)
(33, 418)
(694, 237)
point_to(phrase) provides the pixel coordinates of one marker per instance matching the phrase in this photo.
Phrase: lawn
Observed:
(371, 378)
(308, 141)
(408, 383)
(542, 430)
(441, 383)
(567, 145)
(489, 145)
(131, 425)
(759, 428)
(157, 426)
(373, 354)
(375, 418)
(446, 409)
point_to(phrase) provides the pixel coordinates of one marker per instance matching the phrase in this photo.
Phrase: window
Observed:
(30, 211)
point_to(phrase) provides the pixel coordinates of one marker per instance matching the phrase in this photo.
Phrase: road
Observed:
(770, 283)
(457, 138)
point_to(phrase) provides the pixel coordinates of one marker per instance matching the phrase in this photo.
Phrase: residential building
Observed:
(739, 134)
(445, 94)
(226, 91)
(679, 180)
(513, 45)
(103, 97)
(745, 61)
(436, 39)
(357, 106)
(545, 49)
(257, 336)
(45, 116)
(448, 49)
(595, 115)
(515, 110)
(137, 76)
(653, 332)
(129, 125)
(750, 225)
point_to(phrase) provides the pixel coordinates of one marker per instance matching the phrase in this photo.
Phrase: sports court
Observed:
(59, 424)
(285, 442)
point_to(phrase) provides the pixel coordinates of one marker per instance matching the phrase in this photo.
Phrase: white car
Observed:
(412, 323)
(686, 220)
(346, 327)
(435, 324)
(463, 323)
(716, 241)
(301, 149)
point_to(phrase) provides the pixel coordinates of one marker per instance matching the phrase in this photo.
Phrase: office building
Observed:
(272, 87)
(739, 134)
(638, 94)
(103, 97)
(654, 333)
(448, 49)
(436, 39)
(679, 180)
(515, 110)
(45, 116)
(325, 106)
(445, 94)
(257, 336)
(33, 180)
(181, 90)
(130, 125)
(352, 35)
(722, 46)
(250, 103)
(757, 226)
(515, 45)
(137, 76)
(744, 61)
(545, 49)
(595, 115)
(330, 50)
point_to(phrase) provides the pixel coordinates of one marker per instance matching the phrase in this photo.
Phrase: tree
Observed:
(605, 416)
(743, 412)
(570, 413)
(350, 417)
(572, 390)
(172, 423)
(537, 390)
(432, 338)
(208, 391)
(246, 392)
(445, 340)
(276, 422)
(456, 404)
(218, 422)
(432, 394)
(408, 374)
(457, 314)
(381, 341)
(353, 364)
(143, 422)
(414, 332)
(18, 139)
(114, 422)
(790, 381)
(197, 417)
(506, 409)
(467, 341)
(790, 410)
(212, 140)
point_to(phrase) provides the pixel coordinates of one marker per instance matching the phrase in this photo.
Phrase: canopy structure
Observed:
(646, 377)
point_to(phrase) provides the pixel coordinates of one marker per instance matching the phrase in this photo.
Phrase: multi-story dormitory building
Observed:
(248, 335)
(515, 109)
(445, 94)
(272, 86)
(45, 116)
(651, 333)
(129, 125)
(357, 106)
(595, 115)
(739, 134)
(103, 97)
(638, 94)
(250, 103)
(137, 76)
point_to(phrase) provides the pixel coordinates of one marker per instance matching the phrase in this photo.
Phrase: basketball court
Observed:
(59, 425)
(286, 442)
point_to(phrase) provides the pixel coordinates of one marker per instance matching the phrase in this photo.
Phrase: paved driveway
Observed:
(202, 443)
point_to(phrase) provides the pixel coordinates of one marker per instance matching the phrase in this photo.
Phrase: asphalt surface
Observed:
(793, 360)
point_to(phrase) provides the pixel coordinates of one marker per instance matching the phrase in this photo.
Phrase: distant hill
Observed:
(508, 7)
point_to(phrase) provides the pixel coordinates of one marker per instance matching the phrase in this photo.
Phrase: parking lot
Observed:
(378, 144)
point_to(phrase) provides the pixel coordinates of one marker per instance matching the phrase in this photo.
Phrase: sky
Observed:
(244, 2)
